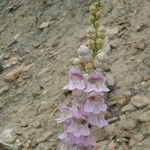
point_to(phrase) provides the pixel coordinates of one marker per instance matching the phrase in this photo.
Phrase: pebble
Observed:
(127, 108)
(8, 136)
(111, 145)
(5, 146)
(4, 89)
(23, 124)
(123, 147)
(101, 145)
(128, 124)
(44, 24)
(36, 124)
(146, 77)
(140, 101)
(135, 139)
(140, 45)
(144, 117)
(44, 137)
(120, 101)
(14, 74)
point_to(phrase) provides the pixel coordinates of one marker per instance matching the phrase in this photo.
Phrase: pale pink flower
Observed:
(97, 120)
(76, 80)
(96, 83)
(95, 103)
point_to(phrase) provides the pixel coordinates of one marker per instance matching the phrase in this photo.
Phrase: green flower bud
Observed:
(91, 42)
(97, 4)
(101, 35)
(97, 23)
(99, 41)
(92, 19)
(91, 36)
(101, 29)
(93, 8)
(89, 67)
(98, 15)
(91, 30)
(77, 61)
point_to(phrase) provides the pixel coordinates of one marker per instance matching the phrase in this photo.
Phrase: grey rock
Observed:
(127, 108)
(5, 146)
(144, 117)
(140, 101)
(44, 146)
(144, 145)
(8, 136)
(128, 124)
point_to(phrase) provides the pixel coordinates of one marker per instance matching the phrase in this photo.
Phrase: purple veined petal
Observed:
(71, 85)
(102, 107)
(96, 109)
(90, 88)
(92, 119)
(101, 121)
(71, 128)
(102, 88)
(63, 136)
(88, 107)
(80, 85)
(82, 130)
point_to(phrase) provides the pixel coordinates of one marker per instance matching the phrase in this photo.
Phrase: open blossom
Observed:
(97, 120)
(96, 82)
(76, 80)
(95, 103)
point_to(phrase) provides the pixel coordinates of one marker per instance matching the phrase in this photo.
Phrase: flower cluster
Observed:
(88, 86)
(87, 109)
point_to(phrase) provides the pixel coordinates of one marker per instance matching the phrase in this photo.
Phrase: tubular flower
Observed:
(76, 80)
(96, 83)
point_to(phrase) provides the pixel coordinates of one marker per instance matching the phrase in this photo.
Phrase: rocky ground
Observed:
(38, 38)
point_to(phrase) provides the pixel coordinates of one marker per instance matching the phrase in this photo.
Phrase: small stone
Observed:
(44, 137)
(8, 136)
(145, 128)
(144, 117)
(123, 147)
(140, 45)
(35, 44)
(36, 94)
(4, 89)
(111, 145)
(128, 124)
(140, 101)
(23, 124)
(110, 79)
(27, 144)
(146, 77)
(101, 145)
(36, 124)
(135, 139)
(120, 101)
(112, 31)
(5, 146)
(128, 108)
(112, 120)
(14, 74)
(45, 24)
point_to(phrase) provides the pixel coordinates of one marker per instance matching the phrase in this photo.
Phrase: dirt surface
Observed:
(38, 38)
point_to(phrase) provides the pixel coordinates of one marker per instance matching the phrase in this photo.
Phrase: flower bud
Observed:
(83, 50)
(93, 8)
(97, 23)
(77, 61)
(98, 15)
(91, 36)
(92, 19)
(101, 35)
(97, 4)
(91, 42)
(99, 41)
(101, 29)
(89, 67)
(91, 30)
